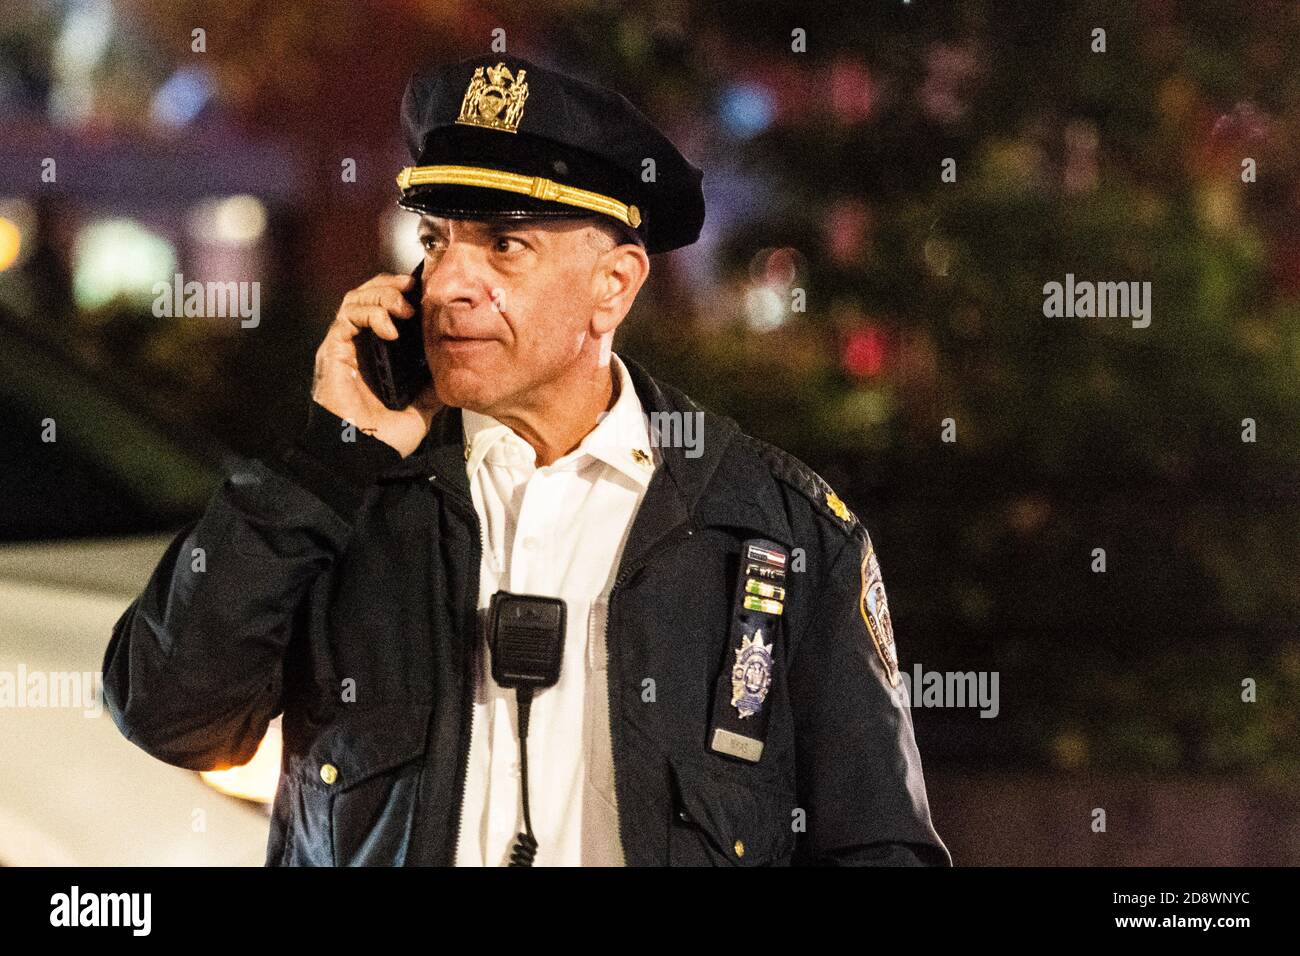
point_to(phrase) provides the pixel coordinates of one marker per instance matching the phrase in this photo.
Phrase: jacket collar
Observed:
(726, 485)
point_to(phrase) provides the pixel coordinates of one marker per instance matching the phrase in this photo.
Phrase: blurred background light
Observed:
(115, 258)
(852, 92)
(846, 230)
(23, 216)
(182, 97)
(401, 240)
(783, 267)
(938, 255)
(80, 47)
(85, 35)
(778, 268)
(765, 309)
(863, 353)
(747, 109)
(233, 220)
(256, 780)
(773, 273)
(10, 243)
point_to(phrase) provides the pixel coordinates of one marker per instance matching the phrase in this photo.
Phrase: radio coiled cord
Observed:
(524, 851)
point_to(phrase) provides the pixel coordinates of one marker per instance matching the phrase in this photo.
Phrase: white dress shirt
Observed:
(556, 531)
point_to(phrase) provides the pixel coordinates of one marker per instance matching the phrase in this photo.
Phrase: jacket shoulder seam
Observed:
(795, 474)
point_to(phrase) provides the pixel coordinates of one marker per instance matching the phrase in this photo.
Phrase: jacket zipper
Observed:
(619, 578)
(467, 708)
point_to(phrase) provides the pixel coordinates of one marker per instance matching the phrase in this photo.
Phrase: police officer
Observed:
(547, 610)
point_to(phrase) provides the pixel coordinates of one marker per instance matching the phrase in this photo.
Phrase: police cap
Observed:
(501, 136)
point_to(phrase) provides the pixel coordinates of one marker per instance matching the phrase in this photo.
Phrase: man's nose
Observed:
(454, 275)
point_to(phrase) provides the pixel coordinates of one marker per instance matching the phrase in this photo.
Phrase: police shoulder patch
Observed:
(874, 607)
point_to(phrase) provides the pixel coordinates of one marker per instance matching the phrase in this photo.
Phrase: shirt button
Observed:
(328, 772)
(739, 848)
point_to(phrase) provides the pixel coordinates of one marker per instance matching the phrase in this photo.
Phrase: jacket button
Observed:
(328, 772)
(739, 848)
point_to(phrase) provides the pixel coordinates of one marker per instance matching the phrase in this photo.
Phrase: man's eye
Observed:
(428, 242)
(502, 244)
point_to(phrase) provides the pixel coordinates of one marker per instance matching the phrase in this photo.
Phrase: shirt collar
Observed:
(620, 439)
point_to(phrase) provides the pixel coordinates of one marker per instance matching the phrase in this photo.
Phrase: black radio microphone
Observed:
(526, 637)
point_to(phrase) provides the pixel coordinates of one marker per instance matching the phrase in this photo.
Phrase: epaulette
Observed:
(792, 472)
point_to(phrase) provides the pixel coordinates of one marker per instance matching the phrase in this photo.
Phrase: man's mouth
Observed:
(462, 341)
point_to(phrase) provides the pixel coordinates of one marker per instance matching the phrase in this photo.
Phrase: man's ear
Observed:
(616, 278)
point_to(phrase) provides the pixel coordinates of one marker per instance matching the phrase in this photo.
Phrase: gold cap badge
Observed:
(495, 101)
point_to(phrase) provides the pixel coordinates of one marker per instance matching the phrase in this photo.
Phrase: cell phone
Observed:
(397, 371)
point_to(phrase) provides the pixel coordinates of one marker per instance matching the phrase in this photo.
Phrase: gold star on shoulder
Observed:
(836, 505)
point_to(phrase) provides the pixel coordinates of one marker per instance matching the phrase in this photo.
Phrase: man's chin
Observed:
(464, 388)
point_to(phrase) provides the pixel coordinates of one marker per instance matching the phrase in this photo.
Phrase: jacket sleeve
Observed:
(193, 671)
(858, 769)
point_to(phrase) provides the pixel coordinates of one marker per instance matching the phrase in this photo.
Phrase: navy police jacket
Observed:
(336, 583)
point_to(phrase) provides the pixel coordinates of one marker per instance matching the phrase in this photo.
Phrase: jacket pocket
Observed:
(357, 788)
(722, 817)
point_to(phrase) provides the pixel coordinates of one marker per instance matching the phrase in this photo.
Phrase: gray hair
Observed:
(609, 233)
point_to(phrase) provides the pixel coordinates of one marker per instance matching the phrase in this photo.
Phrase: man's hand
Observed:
(337, 384)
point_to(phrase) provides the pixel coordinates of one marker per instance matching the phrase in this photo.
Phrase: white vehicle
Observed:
(73, 790)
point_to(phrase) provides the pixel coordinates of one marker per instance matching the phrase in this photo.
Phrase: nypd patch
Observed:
(751, 675)
(875, 613)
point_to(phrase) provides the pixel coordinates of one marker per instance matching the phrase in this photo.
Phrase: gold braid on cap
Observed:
(539, 187)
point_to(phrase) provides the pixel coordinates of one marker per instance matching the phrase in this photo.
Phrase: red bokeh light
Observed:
(863, 353)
